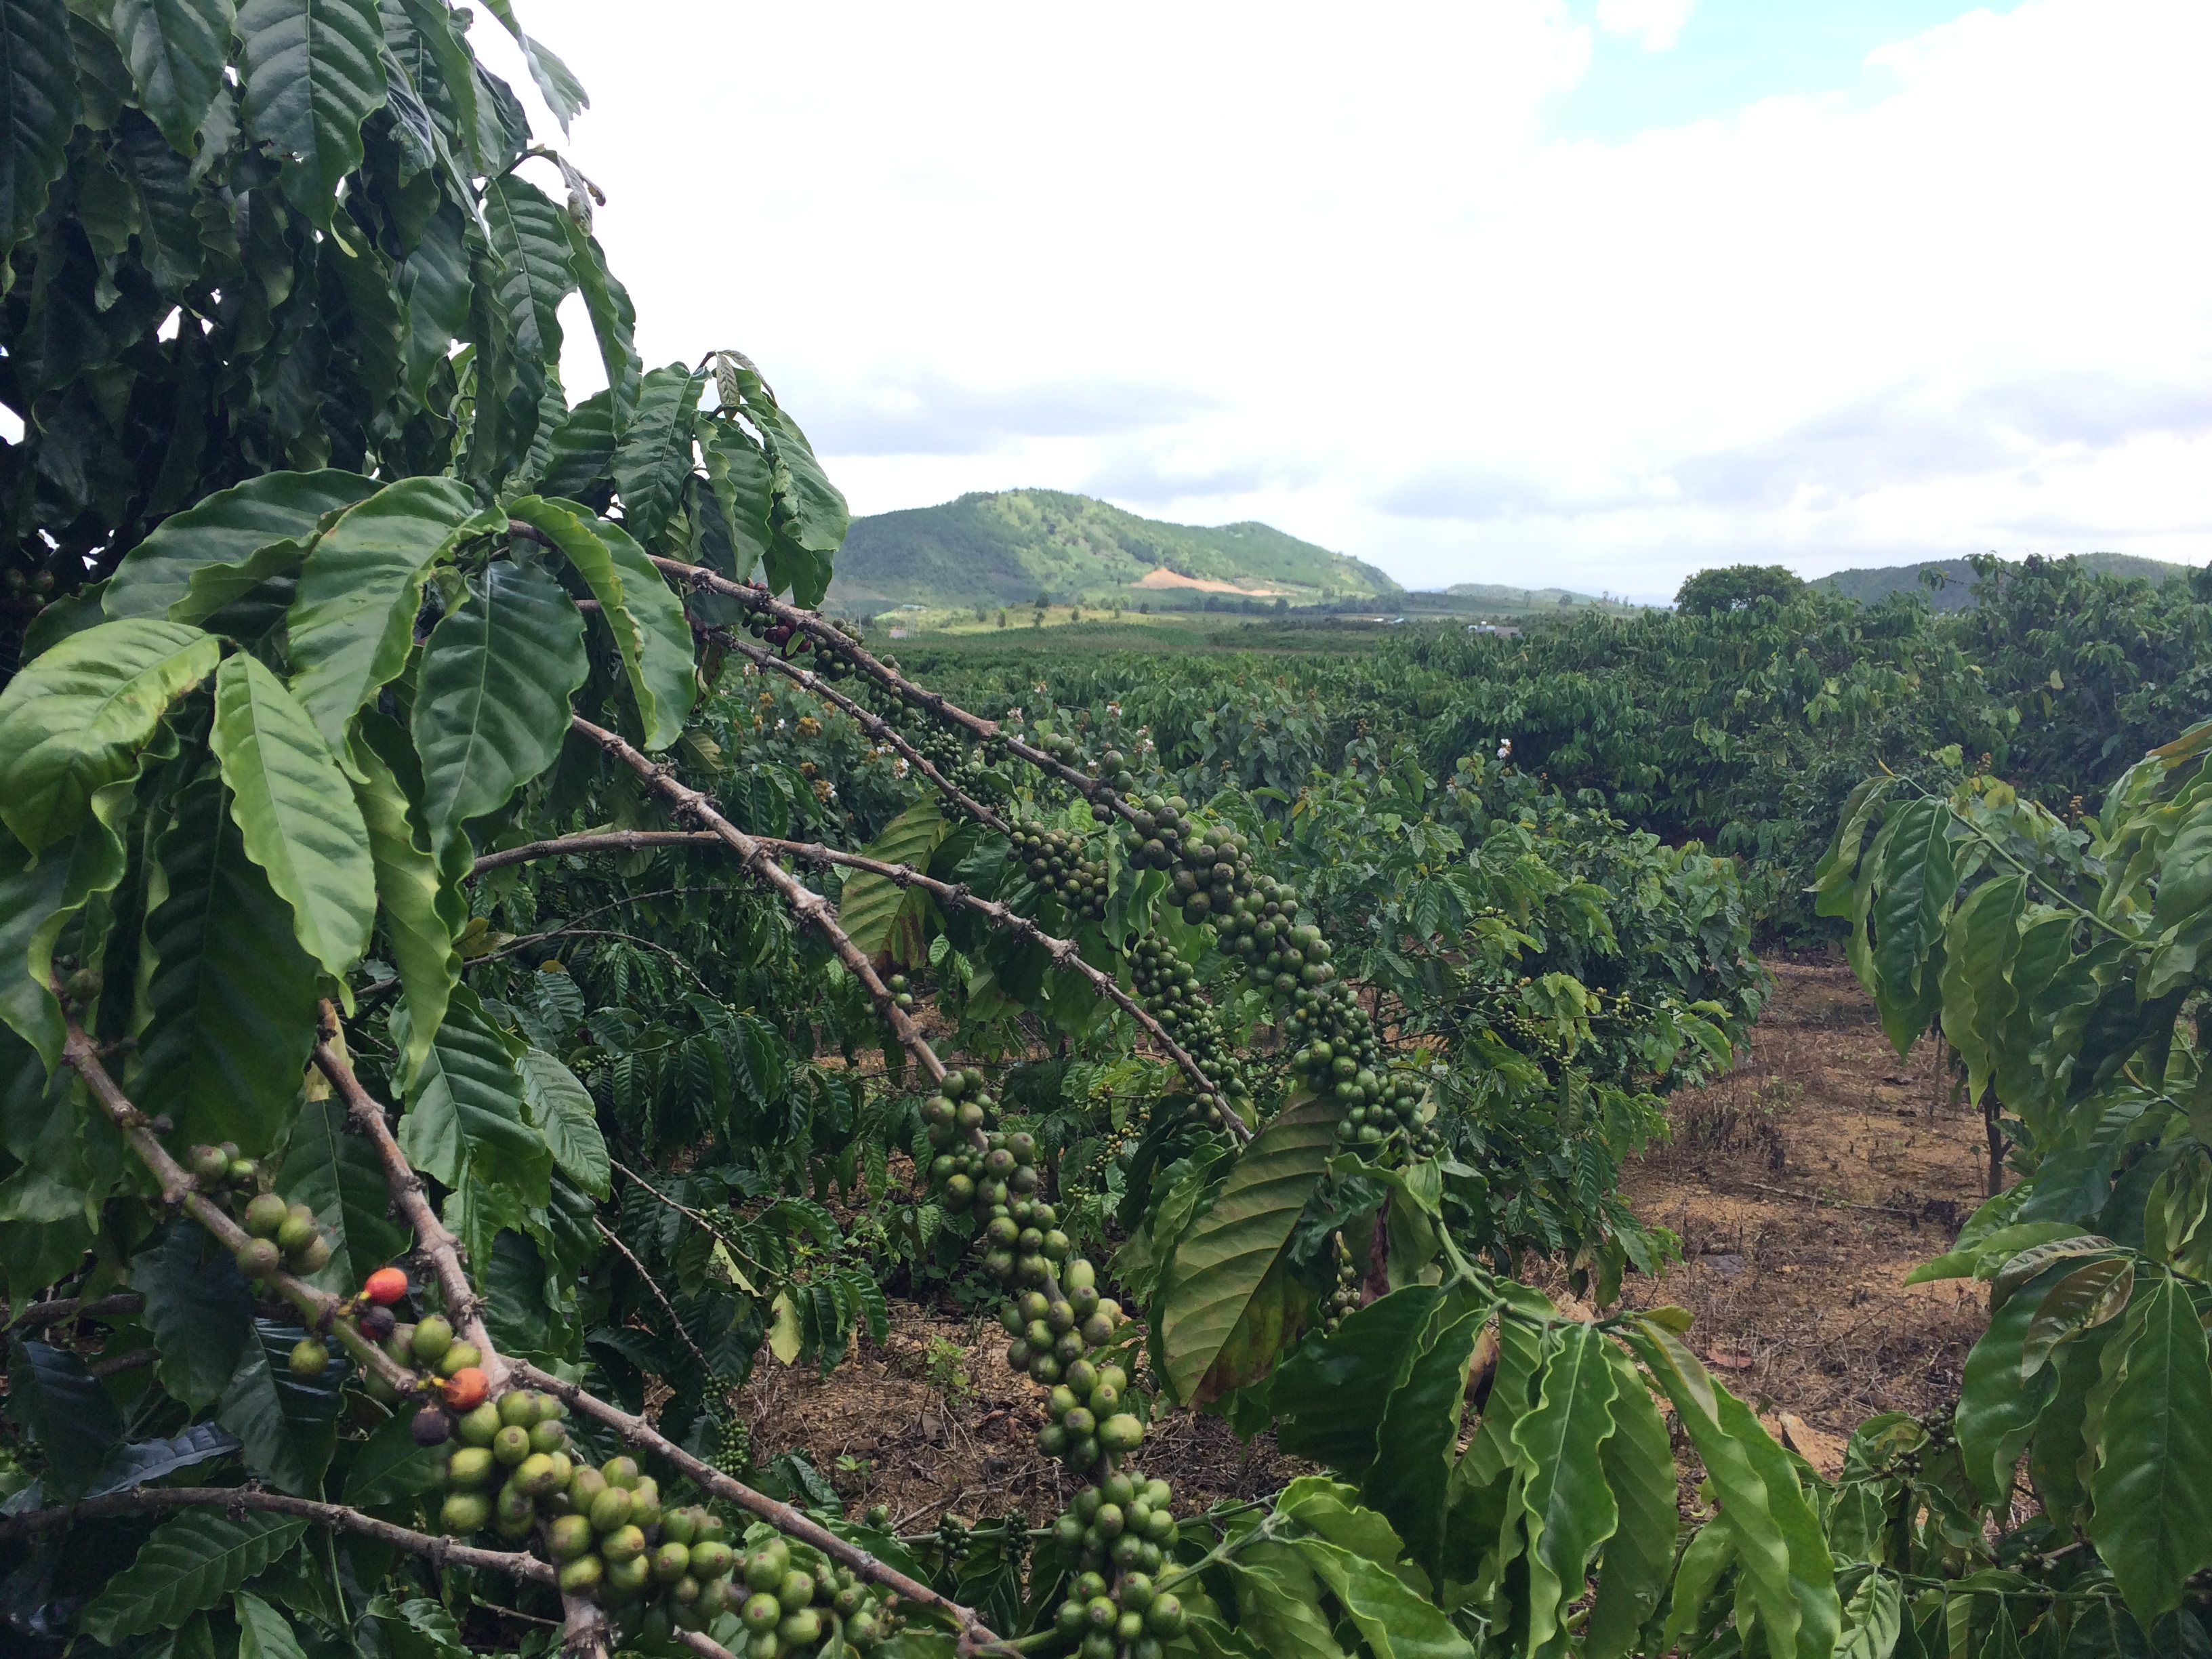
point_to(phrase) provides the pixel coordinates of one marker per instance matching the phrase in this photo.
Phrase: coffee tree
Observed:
(349, 642)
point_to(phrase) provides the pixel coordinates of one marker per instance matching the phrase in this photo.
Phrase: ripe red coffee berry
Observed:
(385, 1286)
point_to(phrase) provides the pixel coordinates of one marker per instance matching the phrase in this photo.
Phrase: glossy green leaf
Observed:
(872, 908)
(818, 515)
(230, 995)
(408, 890)
(1832, 876)
(1978, 948)
(1412, 1471)
(653, 455)
(1873, 1618)
(1707, 1556)
(194, 1560)
(646, 618)
(1279, 1607)
(225, 531)
(297, 815)
(614, 318)
(1997, 1409)
(142, 1463)
(581, 451)
(38, 85)
(177, 51)
(2082, 1300)
(1771, 1529)
(340, 1177)
(1570, 1505)
(199, 1311)
(312, 71)
(1333, 1510)
(2012, 1272)
(2002, 1245)
(1396, 1622)
(492, 702)
(352, 624)
(465, 1118)
(73, 720)
(36, 903)
(52, 1394)
(531, 248)
(433, 280)
(264, 1632)
(561, 1109)
(1220, 1262)
(1329, 1396)
(1917, 881)
(2153, 1519)
(1638, 1462)
(288, 1423)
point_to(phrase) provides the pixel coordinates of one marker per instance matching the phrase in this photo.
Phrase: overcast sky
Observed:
(1595, 292)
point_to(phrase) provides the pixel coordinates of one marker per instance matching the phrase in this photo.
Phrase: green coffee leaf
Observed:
(177, 51)
(1638, 1462)
(296, 813)
(225, 529)
(465, 1117)
(38, 81)
(491, 703)
(1221, 1262)
(199, 1311)
(193, 1561)
(351, 626)
(312, 71)
(878, 914)
(408, 892)
(264, 1632)
(230, 996)
(561, 1109)
(2153, 1519)
(1570, 1503)
(288, 1423)
(73, 720)
(76, 1424)
(650, 628)
(1412, 1466)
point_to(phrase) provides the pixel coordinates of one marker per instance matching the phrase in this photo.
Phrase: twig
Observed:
(462, 1305)
(106, 1366)
(810, 905)
(320, 1309)
(824, 635)
(653, 1284)
(605, 841)
(67, 1307)
(871, 722)
(1832, 1203)
(444, 1552)
(584, 1630)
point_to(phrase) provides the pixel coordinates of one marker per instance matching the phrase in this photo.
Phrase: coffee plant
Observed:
(463, 916)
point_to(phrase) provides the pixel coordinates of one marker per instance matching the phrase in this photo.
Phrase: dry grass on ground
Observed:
(1804, 1186)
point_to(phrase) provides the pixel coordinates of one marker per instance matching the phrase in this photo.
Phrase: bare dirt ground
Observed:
(1804, 1185)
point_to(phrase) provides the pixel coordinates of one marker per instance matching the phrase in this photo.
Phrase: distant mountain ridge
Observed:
(1872, 584)
(1006, 548)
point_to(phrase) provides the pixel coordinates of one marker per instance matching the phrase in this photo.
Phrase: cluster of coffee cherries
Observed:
(1056, 861)
(1209, 869)
(1054, 1326)
(284, 1236)
(1125, 1616)
(792, 642)
(996, 1174)
(902, 992)
(1344, 1298)
(794, 1606)
(448, 1370)
(1168, 987)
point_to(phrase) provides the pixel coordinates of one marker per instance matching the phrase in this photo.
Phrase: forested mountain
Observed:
(1871, 584)
(1007, 547)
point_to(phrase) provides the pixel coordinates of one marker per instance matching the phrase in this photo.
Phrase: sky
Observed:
(1593, 293)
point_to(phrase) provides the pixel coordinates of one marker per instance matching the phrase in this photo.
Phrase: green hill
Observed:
(1872, 585)
(1005, 549)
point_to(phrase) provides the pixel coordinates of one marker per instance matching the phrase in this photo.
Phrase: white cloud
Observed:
(1655, 22)
(1249, 262)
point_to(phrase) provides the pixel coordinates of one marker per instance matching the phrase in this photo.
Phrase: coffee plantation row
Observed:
(465, 917)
